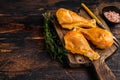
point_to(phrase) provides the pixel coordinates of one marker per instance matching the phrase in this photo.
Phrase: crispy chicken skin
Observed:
(69, 19)
(99, 37)
(76, 43)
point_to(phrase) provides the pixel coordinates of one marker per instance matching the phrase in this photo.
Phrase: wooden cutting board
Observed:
(75, 60)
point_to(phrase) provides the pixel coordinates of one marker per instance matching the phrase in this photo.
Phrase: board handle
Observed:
(103, 71)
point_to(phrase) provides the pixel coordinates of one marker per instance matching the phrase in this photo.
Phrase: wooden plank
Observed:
(77, 60)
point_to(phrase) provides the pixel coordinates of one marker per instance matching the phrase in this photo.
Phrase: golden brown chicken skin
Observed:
(101, 38)
(77, 44)
(69, 19)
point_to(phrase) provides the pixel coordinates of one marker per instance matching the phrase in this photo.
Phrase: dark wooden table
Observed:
(22, 50)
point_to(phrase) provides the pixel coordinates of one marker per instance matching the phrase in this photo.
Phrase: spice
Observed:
(112, 16)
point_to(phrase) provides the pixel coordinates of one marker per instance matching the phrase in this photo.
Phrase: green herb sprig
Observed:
(53, 44)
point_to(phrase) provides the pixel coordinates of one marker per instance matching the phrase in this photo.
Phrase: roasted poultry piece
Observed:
(83, 30)
(99, 37)
(76, 43)
(68, 19)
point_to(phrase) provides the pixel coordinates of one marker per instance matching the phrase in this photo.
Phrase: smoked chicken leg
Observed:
(76, 43)
(68, 19)
(99, 37)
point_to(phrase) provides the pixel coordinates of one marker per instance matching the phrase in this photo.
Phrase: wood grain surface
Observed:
(22, 51)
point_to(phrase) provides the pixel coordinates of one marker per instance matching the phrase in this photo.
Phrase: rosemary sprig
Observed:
(53, 44)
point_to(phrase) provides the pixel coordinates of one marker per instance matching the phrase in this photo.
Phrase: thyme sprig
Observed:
(53, 44)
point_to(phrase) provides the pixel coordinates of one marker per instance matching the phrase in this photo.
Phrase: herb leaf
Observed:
(53, 44)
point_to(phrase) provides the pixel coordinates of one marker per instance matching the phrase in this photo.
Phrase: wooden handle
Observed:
(103, 71)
